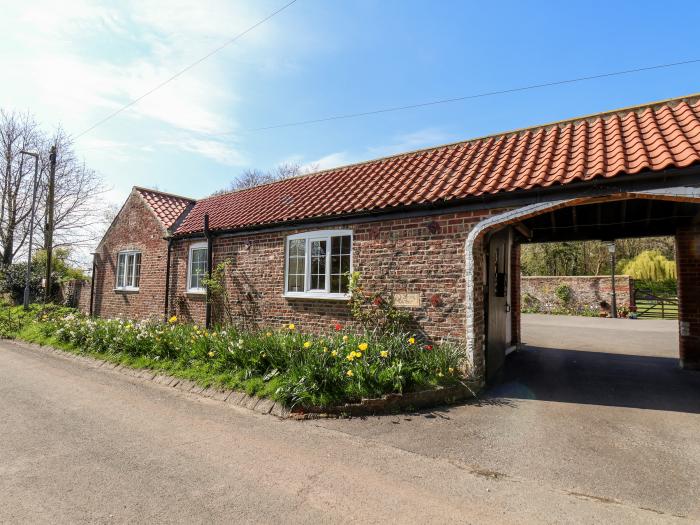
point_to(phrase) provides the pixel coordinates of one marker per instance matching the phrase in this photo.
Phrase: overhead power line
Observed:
(469, 97)
(184, 70)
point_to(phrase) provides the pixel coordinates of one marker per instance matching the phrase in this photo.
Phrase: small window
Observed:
(128, 270)
(318, 264)
(197, 268)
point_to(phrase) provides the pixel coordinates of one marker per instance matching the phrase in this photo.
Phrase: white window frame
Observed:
(195, 246)
(318, 235)
(127, 287)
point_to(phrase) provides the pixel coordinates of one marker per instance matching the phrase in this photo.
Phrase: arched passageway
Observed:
(493, 321)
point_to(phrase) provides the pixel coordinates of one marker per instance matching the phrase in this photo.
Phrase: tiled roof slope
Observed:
(166, 207)
(628, 141)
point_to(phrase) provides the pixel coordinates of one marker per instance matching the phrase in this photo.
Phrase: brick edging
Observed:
(388, 404)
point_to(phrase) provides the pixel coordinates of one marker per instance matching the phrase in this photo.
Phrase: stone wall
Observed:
(586, 291)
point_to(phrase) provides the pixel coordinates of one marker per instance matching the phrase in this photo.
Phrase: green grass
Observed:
(670, 311)
(283, 364)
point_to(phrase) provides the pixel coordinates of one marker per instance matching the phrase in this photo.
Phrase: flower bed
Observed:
(284, 364)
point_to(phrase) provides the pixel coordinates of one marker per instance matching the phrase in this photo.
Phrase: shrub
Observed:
(285, 364)
(13, 278)
(376, 312)
(564, 293)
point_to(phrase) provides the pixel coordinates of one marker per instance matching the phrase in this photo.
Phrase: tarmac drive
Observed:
(605, 431)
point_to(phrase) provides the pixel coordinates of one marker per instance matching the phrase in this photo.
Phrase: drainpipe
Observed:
(92, 282)
(210, 246)
(167, 279)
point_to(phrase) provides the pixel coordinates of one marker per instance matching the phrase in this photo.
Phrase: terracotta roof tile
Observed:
(166, 207)
(628, 141)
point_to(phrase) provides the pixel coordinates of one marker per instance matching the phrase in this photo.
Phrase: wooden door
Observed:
(498, 307)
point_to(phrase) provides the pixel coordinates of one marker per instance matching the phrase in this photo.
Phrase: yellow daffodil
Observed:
(363, 346)
(350, 356)
(349, 373)
(269, 334)
(358, 354)
(451, 370)
(384, 353)
(440, 374)
(334, 353)
(411, 340)
(211, 354)
(345, 339)
(291, 326)
(325, 349)
(173, 319)
(307, 344)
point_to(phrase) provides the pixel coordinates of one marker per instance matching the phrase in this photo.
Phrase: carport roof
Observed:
(646, 138)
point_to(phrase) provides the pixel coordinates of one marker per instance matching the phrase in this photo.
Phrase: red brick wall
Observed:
(688, 267)
(417, 255)
(135, 228)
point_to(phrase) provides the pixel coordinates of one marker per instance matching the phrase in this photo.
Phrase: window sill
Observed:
(196, 293)
(317, 296)
(126, 290)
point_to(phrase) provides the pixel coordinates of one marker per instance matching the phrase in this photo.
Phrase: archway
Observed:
(673, 211)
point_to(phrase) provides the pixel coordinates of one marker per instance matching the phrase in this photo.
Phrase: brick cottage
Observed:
(438, 230)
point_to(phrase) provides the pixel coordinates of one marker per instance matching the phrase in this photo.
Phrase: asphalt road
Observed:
(79, 445)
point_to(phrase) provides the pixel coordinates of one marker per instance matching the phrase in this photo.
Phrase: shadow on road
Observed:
(597, 378)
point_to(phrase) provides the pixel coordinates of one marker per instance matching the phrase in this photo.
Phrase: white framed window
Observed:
(197, 268)
(128, 270)
(318, 263)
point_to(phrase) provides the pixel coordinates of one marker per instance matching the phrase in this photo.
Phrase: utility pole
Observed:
(48, 231)
(35, 183)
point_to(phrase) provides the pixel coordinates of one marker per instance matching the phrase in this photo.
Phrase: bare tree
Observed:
(78, 210)
(255, 177)
(17, 132)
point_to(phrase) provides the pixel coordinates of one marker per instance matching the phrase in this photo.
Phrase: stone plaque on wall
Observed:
(409, 300)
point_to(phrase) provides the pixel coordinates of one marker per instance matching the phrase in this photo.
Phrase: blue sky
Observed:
(74, 63)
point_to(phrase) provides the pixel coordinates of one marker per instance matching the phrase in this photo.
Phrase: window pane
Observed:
(340, 263)
(198, 267)
(296, 265)
(137, 269)
(120, 270)
(318, 265)
(129, 269)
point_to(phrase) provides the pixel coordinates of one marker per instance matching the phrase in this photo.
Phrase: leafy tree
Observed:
(61, 267)
(651, 265)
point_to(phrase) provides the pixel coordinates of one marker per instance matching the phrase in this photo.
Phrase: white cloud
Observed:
(405, 142)
(332, 160)
(422, 138)
(216, 150)
(75, 61)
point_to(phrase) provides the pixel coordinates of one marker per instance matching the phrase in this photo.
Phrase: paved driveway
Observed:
(592, 406)
(81, 445)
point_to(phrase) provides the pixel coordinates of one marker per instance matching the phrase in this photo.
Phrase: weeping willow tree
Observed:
(651, 265)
